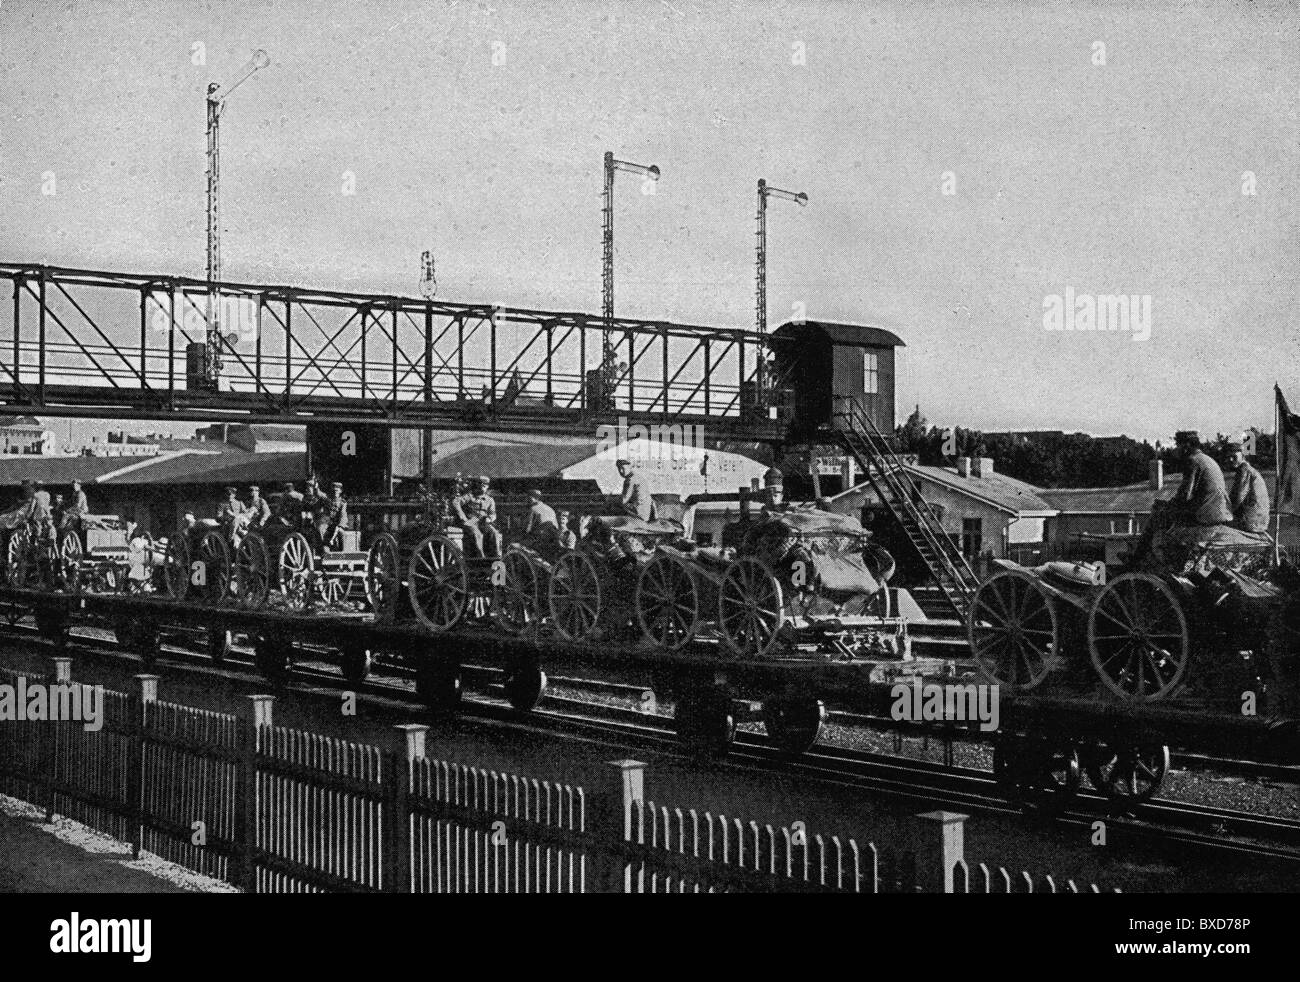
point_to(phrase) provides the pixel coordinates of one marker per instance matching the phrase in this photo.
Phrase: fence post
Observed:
(940, 849)
(621, 783)
(255, 712)
(145, 695)
(408, 747)
(48, 776)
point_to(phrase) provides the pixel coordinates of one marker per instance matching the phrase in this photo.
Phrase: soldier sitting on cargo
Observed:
(476, 512)
(542, 531)
(288, 506)
(258, 508)
(775, 491)
(330, 515)
(1249, 495)
(1202, 498)
(568, 538)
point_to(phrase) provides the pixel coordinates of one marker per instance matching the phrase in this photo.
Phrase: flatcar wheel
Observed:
(1036, 772)
(1013, 630)
(438, 583)
(383, 577)
(515, 593)
(176, 566)
(295, 567)
(751, 609)
(213, 553)
(355, 662)
(71, 558)
(794, 724)
(252, 572)
(1127, 774)
(52, 624)
(574, 596)
(273, 657)
(667, 602)
(705, 722)
(1138, 638)
(438, 687)
(524, 686)
(218, 644)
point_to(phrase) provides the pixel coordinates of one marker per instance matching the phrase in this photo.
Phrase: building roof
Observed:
(517, 460)
(854, 334)
(194, 468)
(999, 490)
(1135, 499)
(23, 423)
(57, 469)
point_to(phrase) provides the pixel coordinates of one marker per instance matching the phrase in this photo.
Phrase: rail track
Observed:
(1224, 832)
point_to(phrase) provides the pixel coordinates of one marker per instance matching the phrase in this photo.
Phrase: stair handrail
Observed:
(905, 489)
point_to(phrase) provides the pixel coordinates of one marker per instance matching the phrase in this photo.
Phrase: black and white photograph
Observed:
(649, 446)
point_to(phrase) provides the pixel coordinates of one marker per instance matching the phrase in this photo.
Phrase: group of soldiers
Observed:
(329, 513)
(38, 511)
(1204, 498)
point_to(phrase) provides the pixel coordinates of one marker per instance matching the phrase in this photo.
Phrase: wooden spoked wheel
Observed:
(295, 565)
(176, 566)
(13, 553)
(33, 562)
(252, 572)
(575, 596)
(438, 583)
(1128, 775)
(667, 602)
(1137, 638)
(515, 593)
(1013, 630)
(383, 576)
(751, 608)
(213, 552)
(71, 558)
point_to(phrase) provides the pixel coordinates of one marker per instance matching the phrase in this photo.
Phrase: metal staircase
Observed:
(894, 486)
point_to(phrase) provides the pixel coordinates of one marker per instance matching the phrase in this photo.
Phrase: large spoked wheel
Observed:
(437, 582)
(295, 565)
(383, 577)
(252, 573)
(1013, 630)
(751, 609)
(1128, 775)
(176, 566)
(515, 599)
(794, 724)
(13, 552)
(667, 602)
(1137, 638)
(71, 558)
(214, 553)
(574, 596)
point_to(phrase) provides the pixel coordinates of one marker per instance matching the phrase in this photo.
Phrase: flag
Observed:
(1288, 458)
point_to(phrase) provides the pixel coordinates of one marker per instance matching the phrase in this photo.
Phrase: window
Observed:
(870, 373)
(972, 536)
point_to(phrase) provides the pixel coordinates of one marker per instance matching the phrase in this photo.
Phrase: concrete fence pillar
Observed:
(407, 750)
(255, 714)
(940, 847)
(612, 821)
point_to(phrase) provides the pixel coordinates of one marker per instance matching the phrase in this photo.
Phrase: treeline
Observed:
(1071, 460)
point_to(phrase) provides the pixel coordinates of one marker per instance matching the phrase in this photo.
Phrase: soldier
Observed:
(258, 507)
(228, 511)
(476, 511)
(636, 491)
(1249, 495)
(774, 483)
(1202, 498)
(542, 527)
(79, 504)
(288, 506)
(331, 515)
(568, 538)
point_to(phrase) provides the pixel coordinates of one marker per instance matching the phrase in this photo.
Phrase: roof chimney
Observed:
(982, 466)
(963, 467)
(1156, 472)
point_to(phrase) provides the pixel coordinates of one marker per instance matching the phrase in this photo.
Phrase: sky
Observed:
(964, 163)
